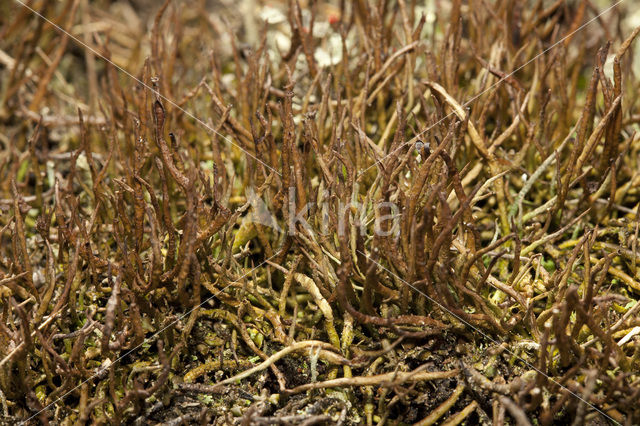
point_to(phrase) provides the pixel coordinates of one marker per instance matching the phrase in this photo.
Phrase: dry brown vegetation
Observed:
(141, 283)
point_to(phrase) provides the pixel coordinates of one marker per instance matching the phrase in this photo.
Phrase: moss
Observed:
(406, 200)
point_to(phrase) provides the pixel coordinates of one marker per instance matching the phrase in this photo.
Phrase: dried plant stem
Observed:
(516, 412)
(459, 417)
(386, 380)
(442, 409)
(294, 347)
(323, 305)
(44, 81)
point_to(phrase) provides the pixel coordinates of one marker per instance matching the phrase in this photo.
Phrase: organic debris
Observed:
(334, 212)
